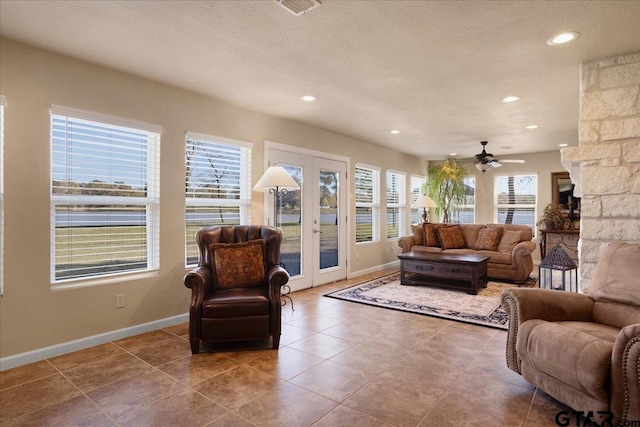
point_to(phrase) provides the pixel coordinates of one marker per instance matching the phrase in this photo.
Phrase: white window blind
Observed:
(465, 212)
(396, 204)
(2, 103)
(515, 199)
(367, 185)
(104, 195)
(218, 185)
(417, 182)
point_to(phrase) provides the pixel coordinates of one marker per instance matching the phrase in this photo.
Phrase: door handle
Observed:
(315, 230)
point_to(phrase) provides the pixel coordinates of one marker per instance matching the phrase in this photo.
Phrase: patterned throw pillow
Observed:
(418, 234)
(239, 265)
(451, 237)
(430, 236)
(488, 239)
(509, 240)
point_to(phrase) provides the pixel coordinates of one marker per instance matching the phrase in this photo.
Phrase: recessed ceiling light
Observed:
(395, 131)
(453, 154)
(531, 127)
(308, 98)
(510, 99)
(563, 145)
(563, 38)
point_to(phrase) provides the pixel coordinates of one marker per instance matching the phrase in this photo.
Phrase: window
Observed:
(2, 102)
(417, 183)
(396, 204)
(515, 199)
(104, 195)
(465, 212)
(367, 180)
(218, 185)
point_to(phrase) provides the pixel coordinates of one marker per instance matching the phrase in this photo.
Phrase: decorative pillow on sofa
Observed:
(418, 234)
(430, 235)
(450, 237)
(509, 240)
(488, 239)
(239, 265)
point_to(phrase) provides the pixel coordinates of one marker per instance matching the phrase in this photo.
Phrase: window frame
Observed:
(374, 204)
(497, 206)
(243, 203)
(150, 202)
(466, 206)
(400, 205)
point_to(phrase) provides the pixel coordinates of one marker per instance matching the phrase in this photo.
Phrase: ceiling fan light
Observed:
(483, 167)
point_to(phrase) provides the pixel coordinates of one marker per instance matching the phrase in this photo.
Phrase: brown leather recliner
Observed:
(235, 290)
(583, 349)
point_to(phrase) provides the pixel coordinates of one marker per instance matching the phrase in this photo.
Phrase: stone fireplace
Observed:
(608, 156)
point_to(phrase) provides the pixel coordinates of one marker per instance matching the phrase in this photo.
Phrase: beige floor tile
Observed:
(345, 416)
(88, 355)
(287, 405)
(196, 368)
(106, 371)
(322, 345)
(370, 358)
(231, 420)
(129, 393)
(285, 363)
(475, 400)
(291, 334)
(495, 365)
(356, 332)
(25, 373)
(314, 322)
(544, 410)
(395, 402)
(181, 330)
(34, 395)
(164, 351)
(237, 386)
(329, 379)
(184, 408)
(142, 340)
(78, 411)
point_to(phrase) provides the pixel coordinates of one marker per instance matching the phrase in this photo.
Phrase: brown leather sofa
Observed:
(507, 262)
(235, 290)
(583, 349)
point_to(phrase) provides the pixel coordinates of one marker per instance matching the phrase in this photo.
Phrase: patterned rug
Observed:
(482, 309)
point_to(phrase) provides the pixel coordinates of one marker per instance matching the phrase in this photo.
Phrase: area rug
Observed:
(482, 309)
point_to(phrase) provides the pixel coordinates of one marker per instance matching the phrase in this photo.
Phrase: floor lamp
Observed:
(425, 203)
(277, 181)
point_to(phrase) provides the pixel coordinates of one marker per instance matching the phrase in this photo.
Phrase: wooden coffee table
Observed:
(464, 272)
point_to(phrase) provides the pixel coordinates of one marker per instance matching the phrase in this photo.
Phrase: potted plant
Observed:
(552, 218)
(446, 187)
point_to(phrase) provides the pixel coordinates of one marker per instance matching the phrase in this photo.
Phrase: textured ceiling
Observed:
(435, 70)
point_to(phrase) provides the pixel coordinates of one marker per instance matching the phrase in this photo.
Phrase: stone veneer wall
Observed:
(609, 156)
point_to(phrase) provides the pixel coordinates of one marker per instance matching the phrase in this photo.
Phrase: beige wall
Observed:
(32, 316)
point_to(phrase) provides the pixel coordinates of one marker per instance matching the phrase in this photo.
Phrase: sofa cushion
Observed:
(430, 235)
(423, 248)
(470, 233)
(509, 240)
(225, 303)
(615, 278)
(450, 237)
(239, 265)
(574, 353)
(496, 257)
(418, 234)
(488, 239)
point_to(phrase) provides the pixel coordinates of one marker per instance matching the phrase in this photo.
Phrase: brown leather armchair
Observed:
(235, 290)
(583, 349)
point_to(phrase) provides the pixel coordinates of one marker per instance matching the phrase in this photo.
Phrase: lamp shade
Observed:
(276, 177)
(424, 201)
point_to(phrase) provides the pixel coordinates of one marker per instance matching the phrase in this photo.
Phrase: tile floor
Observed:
(339, 364)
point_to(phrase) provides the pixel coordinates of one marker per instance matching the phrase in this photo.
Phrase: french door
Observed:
(313, 219)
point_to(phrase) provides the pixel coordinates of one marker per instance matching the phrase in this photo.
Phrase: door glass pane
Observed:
(290, 221)
(328, 219)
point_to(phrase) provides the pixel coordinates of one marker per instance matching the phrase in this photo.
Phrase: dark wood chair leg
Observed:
(276, 341)
(195, 346)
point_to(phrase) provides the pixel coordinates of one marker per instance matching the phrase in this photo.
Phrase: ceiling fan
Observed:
(485, 161)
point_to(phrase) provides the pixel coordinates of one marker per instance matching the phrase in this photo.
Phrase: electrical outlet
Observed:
(120, 301)
(357, 256)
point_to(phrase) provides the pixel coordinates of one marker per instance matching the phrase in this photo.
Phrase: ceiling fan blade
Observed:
(495, 164)
(512, 161)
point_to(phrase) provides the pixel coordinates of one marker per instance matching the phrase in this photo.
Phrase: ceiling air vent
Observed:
(298, 7)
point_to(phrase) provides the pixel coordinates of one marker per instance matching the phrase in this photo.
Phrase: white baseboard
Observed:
(374, 269)
(67, 347)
